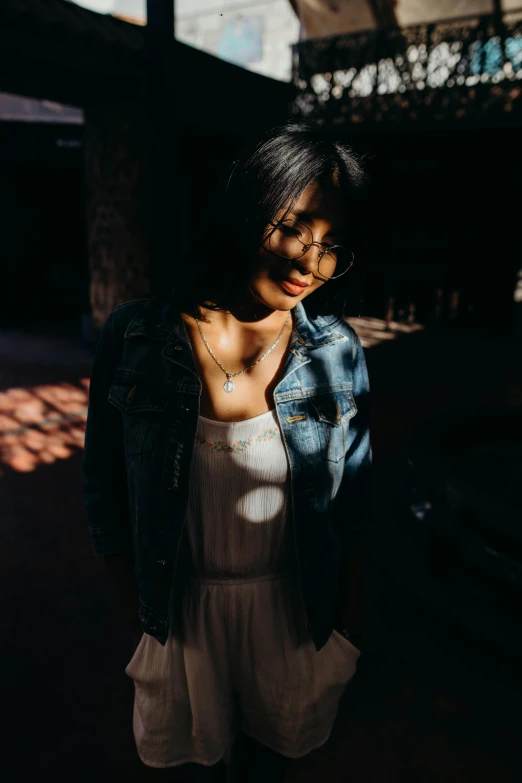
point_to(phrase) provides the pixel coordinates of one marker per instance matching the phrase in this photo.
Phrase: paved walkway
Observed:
(419, 711)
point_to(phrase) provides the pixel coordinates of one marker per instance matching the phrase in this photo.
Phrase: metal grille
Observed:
(445, 70)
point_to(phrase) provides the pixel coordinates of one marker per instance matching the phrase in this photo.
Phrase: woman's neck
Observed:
(246, 313)
(238, 320)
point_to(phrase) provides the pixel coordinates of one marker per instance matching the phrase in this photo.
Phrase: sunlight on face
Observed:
(280, 283)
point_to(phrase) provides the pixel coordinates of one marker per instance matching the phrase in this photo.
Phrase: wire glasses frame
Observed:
(323, 248)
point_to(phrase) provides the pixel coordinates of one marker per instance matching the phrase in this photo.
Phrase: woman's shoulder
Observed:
(355, 340)
(115, 325)
(336, 325)
(129, 308)
(121, 316)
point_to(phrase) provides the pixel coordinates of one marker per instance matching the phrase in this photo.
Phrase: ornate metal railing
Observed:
(445, 70)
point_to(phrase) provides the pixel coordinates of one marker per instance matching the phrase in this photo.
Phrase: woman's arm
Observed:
(353, 504)
(104, 471)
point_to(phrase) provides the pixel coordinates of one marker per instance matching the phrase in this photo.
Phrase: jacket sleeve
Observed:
(353, 504)
(103, 463)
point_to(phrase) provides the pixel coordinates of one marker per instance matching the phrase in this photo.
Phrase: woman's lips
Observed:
(292, 288)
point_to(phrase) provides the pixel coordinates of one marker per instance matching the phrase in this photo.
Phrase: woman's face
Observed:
(280, 283)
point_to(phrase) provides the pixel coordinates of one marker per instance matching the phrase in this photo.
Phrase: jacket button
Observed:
(178, 348)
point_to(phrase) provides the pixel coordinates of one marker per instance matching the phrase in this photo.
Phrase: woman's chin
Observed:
(275, 298)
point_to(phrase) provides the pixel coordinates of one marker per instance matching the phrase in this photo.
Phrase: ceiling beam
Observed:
(384, 12)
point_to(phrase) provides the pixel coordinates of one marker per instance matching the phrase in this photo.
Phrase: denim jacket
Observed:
(141, 429)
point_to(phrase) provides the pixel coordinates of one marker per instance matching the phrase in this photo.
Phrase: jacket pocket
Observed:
(332, 412)
(141, 405)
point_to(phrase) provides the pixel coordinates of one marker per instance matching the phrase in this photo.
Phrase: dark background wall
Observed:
(43, 247)
(43, 255)
(442, 213)
(441, 216)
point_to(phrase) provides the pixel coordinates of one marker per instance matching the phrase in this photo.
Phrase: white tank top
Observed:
(238, 496)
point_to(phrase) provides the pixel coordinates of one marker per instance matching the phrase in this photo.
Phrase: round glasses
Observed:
(291, 240)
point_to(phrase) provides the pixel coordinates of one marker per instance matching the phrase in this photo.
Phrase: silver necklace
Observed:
(229, 383)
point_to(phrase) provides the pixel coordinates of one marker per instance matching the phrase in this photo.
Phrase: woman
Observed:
(227, 464)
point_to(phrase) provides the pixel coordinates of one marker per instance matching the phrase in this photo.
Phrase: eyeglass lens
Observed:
(291, 240)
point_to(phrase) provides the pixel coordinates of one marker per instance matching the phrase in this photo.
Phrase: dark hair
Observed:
(269, 174)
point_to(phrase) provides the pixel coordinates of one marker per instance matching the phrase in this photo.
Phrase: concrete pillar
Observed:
(116, 179)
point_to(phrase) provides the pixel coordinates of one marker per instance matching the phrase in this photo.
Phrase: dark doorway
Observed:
(43, 251)
(441, 223)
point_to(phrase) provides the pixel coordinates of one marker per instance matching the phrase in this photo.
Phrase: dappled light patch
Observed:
(373, 331)
(41, 424)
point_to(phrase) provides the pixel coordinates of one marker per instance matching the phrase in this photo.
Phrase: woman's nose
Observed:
(308, 262)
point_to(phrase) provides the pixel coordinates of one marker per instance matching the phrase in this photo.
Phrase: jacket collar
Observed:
(159, 321)
(314, 332)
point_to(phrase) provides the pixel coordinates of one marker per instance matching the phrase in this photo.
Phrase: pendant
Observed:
(228, 385)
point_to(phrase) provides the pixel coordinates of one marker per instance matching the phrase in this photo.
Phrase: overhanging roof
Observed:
(55, 50)
(56, 19)
(323, 18)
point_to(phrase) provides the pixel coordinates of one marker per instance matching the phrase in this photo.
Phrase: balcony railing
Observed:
(445, 70)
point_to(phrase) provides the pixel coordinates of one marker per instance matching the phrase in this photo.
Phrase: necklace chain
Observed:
(229, 386)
